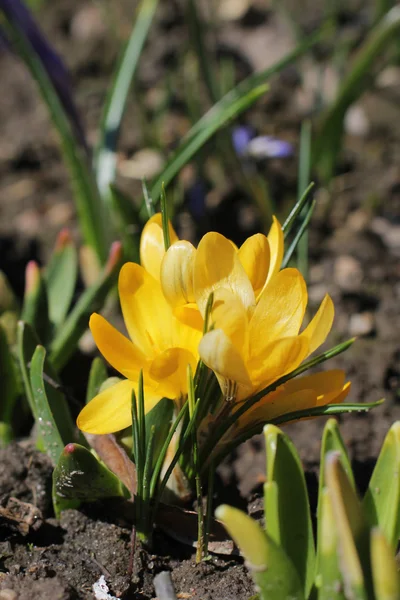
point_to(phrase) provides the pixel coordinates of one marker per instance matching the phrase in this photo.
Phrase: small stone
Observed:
(88, 24)
(231, 10)
(356, 121)
(348, 273)
(361, 324)
(358, 220)
(8, 595)
(145, 163)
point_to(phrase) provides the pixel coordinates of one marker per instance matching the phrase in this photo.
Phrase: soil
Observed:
(355, 249)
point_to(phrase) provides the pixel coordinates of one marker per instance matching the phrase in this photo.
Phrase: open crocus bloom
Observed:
(188, 276)
(159, 344)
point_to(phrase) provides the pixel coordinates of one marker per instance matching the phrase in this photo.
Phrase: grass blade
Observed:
(106, 159)
(88, 203)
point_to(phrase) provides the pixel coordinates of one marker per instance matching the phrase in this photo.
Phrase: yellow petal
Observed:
(279, 311)
(169, 369)
(281, 357)
(276, 246)
(148, 317)
(279, 403)
(229, 314)
(254, 255)
(152, 247)
(319, 327)
(116, 348)
(220, 355)
(190, 315)
(110, 410)
(323, 382)
(177, 273)
(217, 265)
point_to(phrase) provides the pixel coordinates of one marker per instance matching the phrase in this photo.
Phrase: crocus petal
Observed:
(319, 327)
(279, 403)
(220, 355)
(323, 382)
(116, 348)
(217, 265)
(254, 255)
(279, 311)
(152, 247)
(110, 410)
(229, 314)
(190, 315)
(281, 357)
(276, 246)
(177, 273)
(147, 315)
(169, 369)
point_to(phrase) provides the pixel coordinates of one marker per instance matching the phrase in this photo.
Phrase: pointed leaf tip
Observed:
(64, 239)
(114, 257)
(32, 276)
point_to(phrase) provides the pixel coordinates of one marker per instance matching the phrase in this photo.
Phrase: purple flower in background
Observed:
(247, 144)
(241, 136)
(20, 18)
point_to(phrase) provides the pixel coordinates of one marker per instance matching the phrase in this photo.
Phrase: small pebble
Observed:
(361, 324)
(348, 273)
(145, 163)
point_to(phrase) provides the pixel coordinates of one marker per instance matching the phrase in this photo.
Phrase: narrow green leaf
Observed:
(35, 309)
(165, 221)
(78, 475)
(382, 499)
(6, 434)
(288, 519)
(329, 139)
(8, 300)
(384, 568)
(296, 241)
(97, 376)
(65, 342)
(106, 159)
(60, 276)
(27, 341)
(160, 417)
(48, 430)
(127, 223)
(291, 220)
(329, 580)
(88, 201)
(303, 182)
(331, 442)
(230, 106)
(352, 531)
(9, 380)
(272, 570)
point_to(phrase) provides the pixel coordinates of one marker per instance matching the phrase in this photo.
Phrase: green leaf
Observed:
(97, 376)
(6, 434)
(229, 107)
(65, 342)
(329, 580)
(9, 380)
(35, 310)
(48, 430)
(127, 222)
(272, 570)
(326, 553)
(384, 568)
(332, 442)
(330, 133)
(60, 276)
(382, 499)
(287, 509)
(88, 202)
(352, 531)
(80, 476)
(8, 300)
(27, 340)
(106, 158)
(160, 417)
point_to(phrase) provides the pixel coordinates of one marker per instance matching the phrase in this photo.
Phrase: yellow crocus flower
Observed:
(257, 314)
(159, 344)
